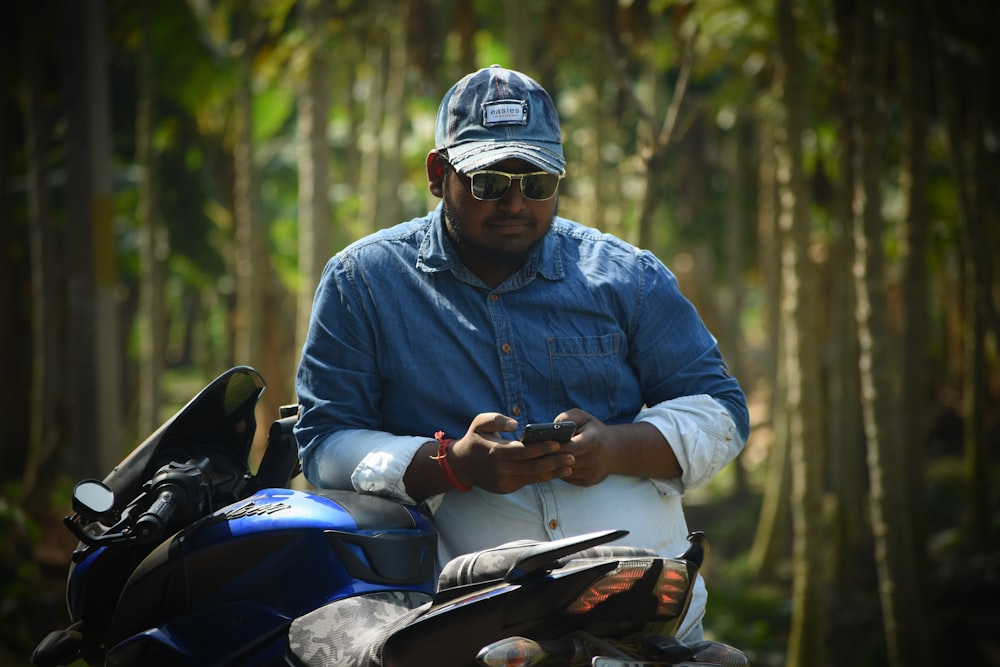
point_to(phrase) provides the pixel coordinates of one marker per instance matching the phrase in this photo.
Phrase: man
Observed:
(433, 343)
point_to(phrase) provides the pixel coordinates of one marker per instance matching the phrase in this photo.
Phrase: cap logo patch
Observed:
(505, 112)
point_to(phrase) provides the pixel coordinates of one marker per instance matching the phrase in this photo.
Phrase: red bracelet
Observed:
(442, 459)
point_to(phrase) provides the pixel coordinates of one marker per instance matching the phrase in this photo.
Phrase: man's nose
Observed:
(514, 198)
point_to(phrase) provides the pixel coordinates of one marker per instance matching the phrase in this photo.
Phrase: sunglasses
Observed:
(489, 185)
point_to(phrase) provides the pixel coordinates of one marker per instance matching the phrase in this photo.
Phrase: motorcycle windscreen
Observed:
(219, 422)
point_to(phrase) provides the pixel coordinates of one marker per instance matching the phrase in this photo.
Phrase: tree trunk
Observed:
(108, 351)
(807, 640)
(898, 587)
(916, 321)
(249, 265)
(371, 154)
(848, 468)
(656, 135)
(315, 215)
(964, 114)
(771, 536)
(14, 269)
(83, 439)
(770, 542)
(152, 241)
(466, 23)
(390, 134)
(46, 359)
(730, 332)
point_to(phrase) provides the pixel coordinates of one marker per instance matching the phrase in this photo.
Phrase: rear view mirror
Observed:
(93, 500)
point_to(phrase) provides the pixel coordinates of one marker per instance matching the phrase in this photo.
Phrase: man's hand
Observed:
(484, 459)
(598, 449)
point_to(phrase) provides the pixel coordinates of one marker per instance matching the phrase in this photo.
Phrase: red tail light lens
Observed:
(617, 581)
(672, 587)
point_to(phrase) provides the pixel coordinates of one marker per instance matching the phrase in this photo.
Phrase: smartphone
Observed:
(558, 431)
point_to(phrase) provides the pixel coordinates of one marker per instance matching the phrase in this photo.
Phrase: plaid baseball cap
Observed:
(495, 114)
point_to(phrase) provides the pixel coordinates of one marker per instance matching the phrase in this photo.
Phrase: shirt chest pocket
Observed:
(586, 372)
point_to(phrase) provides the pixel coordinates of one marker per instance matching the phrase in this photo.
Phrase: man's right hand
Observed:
(484, 459)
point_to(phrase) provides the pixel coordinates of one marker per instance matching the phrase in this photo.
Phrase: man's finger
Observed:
(493, 422)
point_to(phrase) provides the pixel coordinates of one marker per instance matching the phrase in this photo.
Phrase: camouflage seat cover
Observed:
(352, 631)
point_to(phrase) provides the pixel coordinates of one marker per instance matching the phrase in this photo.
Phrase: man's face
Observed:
(495, 236)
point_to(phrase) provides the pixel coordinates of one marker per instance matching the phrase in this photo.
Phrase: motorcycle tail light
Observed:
(619, 580)
(673, 588)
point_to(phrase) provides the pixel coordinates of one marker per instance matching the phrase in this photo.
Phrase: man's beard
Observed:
(480, 251)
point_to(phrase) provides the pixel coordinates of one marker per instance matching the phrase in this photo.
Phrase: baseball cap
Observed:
(495, 114)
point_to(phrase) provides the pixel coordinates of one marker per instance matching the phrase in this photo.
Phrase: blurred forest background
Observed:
(822, 175)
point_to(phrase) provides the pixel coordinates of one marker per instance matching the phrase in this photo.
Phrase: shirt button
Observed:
(553, 524)
(494, 297)
(505, 348)
(516, 410)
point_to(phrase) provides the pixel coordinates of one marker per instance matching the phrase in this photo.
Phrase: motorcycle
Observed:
(187, 557)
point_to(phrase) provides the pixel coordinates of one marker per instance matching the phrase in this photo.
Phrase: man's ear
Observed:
(435, 173)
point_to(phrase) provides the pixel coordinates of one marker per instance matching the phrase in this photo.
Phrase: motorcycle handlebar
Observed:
(150, 525)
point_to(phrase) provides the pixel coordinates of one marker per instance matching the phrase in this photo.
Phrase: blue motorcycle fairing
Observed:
(287, 551)
(223, 635)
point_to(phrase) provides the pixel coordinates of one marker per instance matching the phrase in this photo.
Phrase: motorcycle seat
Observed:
(494, 563)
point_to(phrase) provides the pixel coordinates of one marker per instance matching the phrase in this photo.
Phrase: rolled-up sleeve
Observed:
(701, 433)
(363, 460)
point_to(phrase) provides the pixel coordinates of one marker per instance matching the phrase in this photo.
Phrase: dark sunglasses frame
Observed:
(510, 178)
(478, 184)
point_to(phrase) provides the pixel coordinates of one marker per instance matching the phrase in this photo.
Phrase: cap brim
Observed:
(474, 155)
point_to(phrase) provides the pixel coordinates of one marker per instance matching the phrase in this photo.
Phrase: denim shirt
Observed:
(405, 341)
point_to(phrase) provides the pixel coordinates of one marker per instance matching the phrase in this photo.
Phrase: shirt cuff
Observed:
(702, 435)
(367, 461)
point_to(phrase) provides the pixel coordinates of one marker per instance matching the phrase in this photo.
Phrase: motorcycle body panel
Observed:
(246, 570)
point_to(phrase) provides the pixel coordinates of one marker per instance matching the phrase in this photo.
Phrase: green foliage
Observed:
(272, 111)
(22, 607)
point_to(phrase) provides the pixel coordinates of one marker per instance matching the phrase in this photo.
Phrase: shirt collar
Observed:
(437, 253)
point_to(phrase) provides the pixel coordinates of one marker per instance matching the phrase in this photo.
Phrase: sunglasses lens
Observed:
(488, 185)
(539, 186)
(492, 185)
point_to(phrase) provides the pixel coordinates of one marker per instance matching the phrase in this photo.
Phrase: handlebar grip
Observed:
(151, 524)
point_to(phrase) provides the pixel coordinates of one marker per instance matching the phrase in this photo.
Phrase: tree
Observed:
(660, 133)
(250, 265)
(902, 610)
(970, 117)
(915, 320)
(770, 538)
(46, 316)
(315, 216)
(153, 241)
(82, 438)
(848, 468)
(798, 316)
(109, 361)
